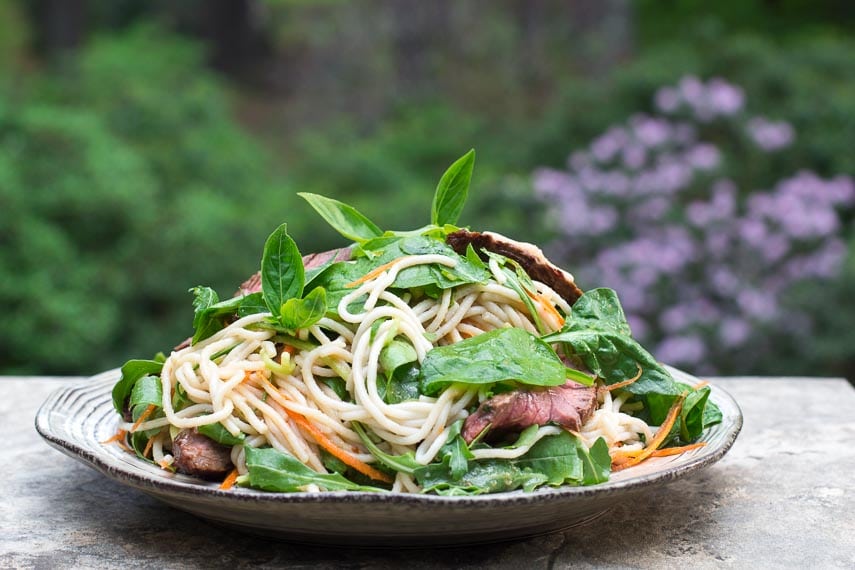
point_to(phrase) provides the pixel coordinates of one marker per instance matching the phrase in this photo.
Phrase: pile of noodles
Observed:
(232, 377)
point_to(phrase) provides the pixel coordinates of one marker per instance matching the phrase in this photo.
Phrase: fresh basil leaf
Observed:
(132, 371)
(452, 190)
(302, 313)
(220, 434)
(203, 298)
(345, 219)
(494, 356)
(282, 274)
(405, 463)
(209, 319)
(147, 391)
(273, 470)
(251, 304)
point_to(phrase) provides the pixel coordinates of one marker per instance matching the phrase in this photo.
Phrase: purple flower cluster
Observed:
(656, 210)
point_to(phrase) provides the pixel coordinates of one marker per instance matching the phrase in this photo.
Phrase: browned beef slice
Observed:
(530, 257)
(568, 405)
(200, 456)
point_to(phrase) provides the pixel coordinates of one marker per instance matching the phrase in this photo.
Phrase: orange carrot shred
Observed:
(373, 273)
(547, 306)
(119, 436)
(229, 481)
(143, 417)
(623, 384)
(677, 450)
(148, 445)
(654, 443)
(701, 384)
(322, 440)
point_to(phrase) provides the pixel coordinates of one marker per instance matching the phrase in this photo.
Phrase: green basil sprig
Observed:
(452, 191)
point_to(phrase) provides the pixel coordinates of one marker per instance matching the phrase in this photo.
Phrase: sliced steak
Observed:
(569, 405)
(530, 257)
(200, 456)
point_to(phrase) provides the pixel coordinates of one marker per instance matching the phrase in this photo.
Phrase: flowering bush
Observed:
(664, 209)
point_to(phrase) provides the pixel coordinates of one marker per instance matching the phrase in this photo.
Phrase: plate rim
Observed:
(169, 486)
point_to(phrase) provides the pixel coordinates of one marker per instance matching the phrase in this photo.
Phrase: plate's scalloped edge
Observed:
(69, 443)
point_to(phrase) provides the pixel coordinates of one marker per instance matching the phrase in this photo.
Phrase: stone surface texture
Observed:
(784, 497)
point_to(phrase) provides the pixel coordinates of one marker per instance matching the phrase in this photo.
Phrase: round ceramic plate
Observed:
(77, 419)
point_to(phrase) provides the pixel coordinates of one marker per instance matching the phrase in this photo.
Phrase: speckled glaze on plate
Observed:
(78, 418)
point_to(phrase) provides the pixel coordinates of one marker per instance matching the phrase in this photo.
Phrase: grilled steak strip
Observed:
(200, 456)
(530, 257)
(569, 405)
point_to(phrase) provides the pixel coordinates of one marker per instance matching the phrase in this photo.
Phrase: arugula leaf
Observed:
(455, 452)
(282, 273)
(273, 470)
(494, 356)
(210, 317)
(301, 313)
(345, 219)
(452, 190)
(132, 371)
(220, 434)
(488, 476)
(405, 463)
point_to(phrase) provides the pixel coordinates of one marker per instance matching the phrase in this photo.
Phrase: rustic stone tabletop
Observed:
(783, 497)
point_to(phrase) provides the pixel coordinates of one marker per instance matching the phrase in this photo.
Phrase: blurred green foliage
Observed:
(126, 178)
(125, 181)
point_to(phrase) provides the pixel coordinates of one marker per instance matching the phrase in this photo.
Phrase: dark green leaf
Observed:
(345, 219)
(132, 371)
(452, 190)
(282, 273)
(302, 313)
(455, 452)
(147, 391)
(209, 319)
(489, 476)
(614, 358)
(220, 434)
(203, 297)
(597, 462)
(599, 309)
(405, 463)
(404, 384)
(272, 470)
(497, 355)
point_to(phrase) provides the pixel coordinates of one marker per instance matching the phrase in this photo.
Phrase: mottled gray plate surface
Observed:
(78, 418)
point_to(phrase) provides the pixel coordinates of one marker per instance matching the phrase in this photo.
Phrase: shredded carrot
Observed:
(292, 350)
(322, 440)
(229, 481)
(119, 436)
(148, 411)
(677, 450)
(148, 445)
(623, 384)
(547, 306)
(623, 459)
(373, 273)
(701, 384)
(164, 464)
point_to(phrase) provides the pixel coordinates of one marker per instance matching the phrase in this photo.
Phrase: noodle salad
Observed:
(438, 360)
